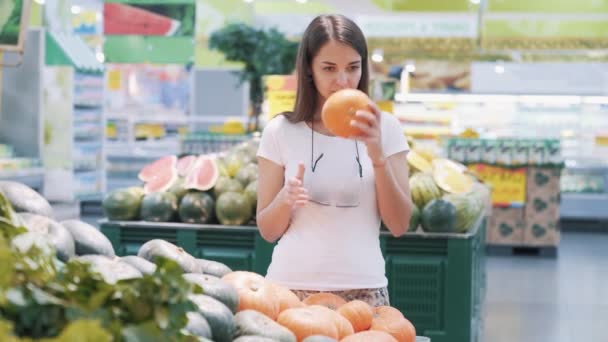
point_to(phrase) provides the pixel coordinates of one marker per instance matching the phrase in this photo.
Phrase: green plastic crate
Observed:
(438, 281)
(239, 247)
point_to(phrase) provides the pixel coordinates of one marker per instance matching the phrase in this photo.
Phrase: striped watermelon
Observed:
(468, 208)
(423, 189)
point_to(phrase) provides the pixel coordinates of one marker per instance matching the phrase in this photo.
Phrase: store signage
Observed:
(508, 184)
(419, 26)
(280, 93)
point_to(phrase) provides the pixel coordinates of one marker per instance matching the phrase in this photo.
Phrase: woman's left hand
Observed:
(368, 122)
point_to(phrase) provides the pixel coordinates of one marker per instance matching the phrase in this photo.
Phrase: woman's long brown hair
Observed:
(321, 30)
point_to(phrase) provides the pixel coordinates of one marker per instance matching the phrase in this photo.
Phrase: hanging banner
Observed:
(419, 26)
(162, 18)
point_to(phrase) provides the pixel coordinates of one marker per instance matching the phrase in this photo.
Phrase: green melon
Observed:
(158, 207)
(178, 189)
(414, 219)
(123, 204)
(247, 174)
(439, 216)
(196, 207)
(251, 191)
(423, 189)
(233, 208)
(468, 209)
(225, 184)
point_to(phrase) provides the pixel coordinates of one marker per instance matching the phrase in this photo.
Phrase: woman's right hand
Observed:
(295, 195)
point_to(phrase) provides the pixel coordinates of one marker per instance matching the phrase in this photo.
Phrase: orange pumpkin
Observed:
(255, 293)
(287, 299)
(326, 299)
(307, 321)
(342, 324)
(340, 108)
(392, 321)
(358, 313)
(371, 335)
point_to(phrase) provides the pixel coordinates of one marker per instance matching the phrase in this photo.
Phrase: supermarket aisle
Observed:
(532, 299)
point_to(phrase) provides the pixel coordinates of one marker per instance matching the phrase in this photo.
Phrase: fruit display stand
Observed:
(239, 247)
(436, 279)
(525, 177)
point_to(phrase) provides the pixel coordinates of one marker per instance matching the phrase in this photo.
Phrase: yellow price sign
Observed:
(280, 93)
(280, 101)
(508, 185)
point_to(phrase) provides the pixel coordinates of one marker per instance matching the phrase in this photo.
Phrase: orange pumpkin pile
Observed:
(322, 314)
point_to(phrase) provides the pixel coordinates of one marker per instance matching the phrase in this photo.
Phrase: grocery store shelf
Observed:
(583, 206)
(34, 177)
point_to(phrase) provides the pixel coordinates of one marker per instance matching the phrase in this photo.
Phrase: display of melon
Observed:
(423, 189)
(123, 204)
(158, 207)
(439, 216)
(203, 175)
(450, 176)
(226, 184)
(233, 208)
(468, 208)
(196, 207)
(418, 163)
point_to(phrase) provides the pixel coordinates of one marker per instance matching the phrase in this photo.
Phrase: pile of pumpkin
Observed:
(245, 307)
(447, 197)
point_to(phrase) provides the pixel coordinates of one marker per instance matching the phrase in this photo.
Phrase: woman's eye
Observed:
(354, 68)
(328, 68)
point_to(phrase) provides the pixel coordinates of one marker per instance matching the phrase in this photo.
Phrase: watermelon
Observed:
(423, 189)
(414, 219)
(152, 170)
(196, 207)
(158, 207)
(439, 216)
(247, 174)
(123, 204)
(122, 19)
(468, 208)
(233, 208)
(185, 165)
(251, 191)
(226, 184)
(203, 175)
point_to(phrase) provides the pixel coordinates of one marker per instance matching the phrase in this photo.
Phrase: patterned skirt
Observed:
(373, 297)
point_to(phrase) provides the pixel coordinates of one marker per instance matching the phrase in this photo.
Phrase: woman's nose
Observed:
(342, 79)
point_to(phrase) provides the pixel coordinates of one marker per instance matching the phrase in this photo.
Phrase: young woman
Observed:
(323, 196)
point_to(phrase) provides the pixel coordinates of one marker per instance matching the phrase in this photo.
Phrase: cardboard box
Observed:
(506, 226)
(542, 207)
(541, 233)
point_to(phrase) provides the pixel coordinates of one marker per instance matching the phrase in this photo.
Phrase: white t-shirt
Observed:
(329, 247)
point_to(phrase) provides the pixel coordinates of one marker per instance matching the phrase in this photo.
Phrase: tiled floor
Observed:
(563, 299)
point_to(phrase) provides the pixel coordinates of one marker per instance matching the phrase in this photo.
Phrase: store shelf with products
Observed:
(584, 191)
(21, 126)
(73, 155)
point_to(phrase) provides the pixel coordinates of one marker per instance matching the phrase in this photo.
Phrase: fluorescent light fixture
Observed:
(378, 55)
(75, 9)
